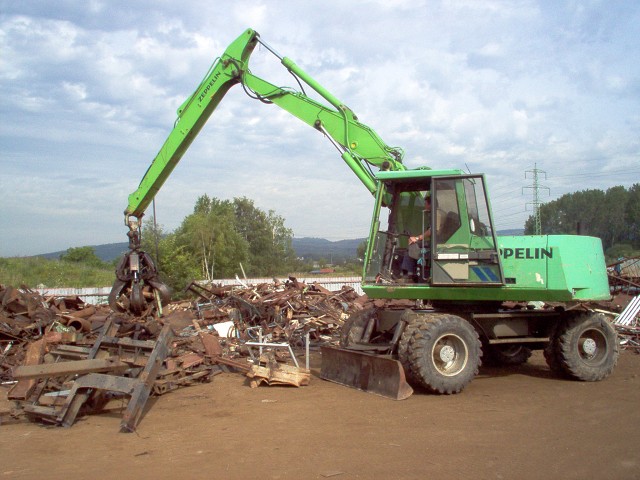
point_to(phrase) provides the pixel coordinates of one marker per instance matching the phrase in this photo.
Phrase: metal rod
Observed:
(306, 350)
(368, 330)
(265, 45)
(498, 341)
(275, 345)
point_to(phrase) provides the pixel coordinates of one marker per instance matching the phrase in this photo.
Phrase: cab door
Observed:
(463, 243)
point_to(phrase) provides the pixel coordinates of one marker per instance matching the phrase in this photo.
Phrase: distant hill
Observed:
(514, 231)
(307, 247)
(314, 248)
(332, 252)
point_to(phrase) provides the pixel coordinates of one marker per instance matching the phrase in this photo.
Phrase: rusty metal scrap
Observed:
(77, 367)
(56, 350)
(76, 354)
(624, 275)
(111, 364)
(279, 308)
(66, 358)
(627, 324)
(26, 317)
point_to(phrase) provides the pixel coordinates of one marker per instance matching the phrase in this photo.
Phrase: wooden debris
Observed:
(278, 374)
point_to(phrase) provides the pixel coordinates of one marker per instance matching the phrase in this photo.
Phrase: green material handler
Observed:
(464, 280)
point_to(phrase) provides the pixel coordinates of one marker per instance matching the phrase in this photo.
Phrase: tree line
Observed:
(612, 215)
(220, 239)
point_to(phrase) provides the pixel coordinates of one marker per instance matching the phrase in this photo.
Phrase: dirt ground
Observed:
(516, 423)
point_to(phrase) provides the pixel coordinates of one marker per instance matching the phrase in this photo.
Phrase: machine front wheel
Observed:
(355, 326)
(442, 353)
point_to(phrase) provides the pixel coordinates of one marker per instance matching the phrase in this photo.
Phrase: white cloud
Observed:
(90, 91)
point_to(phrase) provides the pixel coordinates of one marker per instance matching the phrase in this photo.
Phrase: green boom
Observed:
(358, 144)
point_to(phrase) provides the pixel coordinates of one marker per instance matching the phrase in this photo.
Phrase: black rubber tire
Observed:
(507, 354)
(551, 355)
(412, 320)
(443, 353)
(586, 347)
(353, 328)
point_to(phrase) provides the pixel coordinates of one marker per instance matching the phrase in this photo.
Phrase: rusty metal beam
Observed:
(75, 367)
(22, 389)
(142, 390)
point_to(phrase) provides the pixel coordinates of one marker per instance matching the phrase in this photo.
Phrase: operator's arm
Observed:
(424, 235)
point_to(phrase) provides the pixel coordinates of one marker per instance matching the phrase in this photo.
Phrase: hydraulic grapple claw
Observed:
(137, 286)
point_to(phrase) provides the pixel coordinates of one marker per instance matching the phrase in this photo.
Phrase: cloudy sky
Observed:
(89, 90)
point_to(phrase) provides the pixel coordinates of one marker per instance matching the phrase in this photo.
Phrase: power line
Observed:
(602, 174)
(509, 208)
(495, 197)
(512, 214)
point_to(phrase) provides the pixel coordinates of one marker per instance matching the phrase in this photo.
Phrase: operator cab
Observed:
(432, 228)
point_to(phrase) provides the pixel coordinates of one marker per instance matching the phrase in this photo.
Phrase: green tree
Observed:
(613, 216)
(84, 255)
(203, 204)
(612, 226)
(269, 241)
(177, 268)
(218, 237)
(569, 214)
(210, 235)
(632, 215)
(152, 234)
(174, 262)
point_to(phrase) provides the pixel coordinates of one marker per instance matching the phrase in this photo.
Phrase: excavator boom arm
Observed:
(192, 115)
(359, 145)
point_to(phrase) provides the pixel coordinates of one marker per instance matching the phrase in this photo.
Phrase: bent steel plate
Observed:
(363, 371)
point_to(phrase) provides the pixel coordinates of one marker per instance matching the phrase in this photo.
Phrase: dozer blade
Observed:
(363, 371)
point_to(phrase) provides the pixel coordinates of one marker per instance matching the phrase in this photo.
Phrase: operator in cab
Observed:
(418, 248)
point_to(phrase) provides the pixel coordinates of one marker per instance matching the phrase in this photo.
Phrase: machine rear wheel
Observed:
(585, 347)
(552, 358)
(442, 354)
(509, 354)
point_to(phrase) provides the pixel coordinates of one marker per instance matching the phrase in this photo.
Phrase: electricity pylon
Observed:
(536, 187)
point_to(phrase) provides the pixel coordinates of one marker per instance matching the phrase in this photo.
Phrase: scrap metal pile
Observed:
(624, 276)
(627, 322)
(65, 358)
(624, 281)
